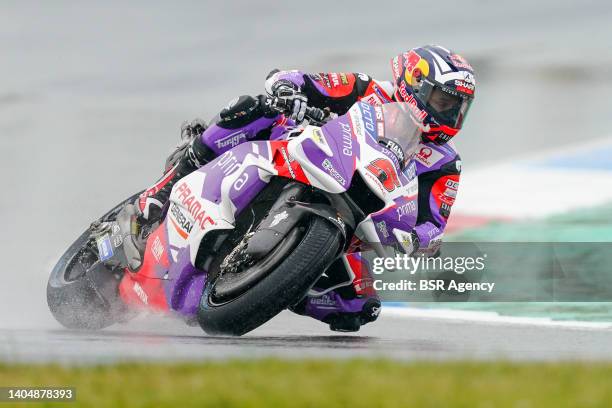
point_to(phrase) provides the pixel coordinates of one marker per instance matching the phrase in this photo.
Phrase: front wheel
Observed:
(284, 286)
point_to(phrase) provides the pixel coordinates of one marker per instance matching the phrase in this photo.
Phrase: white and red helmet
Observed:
(439, 85)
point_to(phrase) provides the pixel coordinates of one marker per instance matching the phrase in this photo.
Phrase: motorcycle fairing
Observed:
(210, 198)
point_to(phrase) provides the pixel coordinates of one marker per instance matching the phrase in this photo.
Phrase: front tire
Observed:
(281, 288)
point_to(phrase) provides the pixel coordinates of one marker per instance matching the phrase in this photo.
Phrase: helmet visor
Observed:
(445, 104)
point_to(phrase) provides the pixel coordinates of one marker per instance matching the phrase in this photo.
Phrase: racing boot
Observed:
(140, 218)
(346, 306)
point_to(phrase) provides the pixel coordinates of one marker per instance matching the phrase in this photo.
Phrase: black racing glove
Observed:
(288, 97)
(189, 130)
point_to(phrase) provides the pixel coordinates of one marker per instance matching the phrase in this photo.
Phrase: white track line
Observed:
(488, 317)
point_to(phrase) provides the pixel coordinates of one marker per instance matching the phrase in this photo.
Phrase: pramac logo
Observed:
(193, 205)
(428, 156)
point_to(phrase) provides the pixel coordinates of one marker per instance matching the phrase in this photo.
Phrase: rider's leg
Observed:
(344, 297)
(243, 119)
(189, 158)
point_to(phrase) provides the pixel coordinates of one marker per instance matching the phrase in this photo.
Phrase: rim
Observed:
(230, 285)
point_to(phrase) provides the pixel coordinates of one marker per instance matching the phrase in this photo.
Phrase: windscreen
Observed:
(401, 131)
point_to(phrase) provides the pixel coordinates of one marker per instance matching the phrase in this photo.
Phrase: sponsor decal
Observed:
(140, 293)
(117, 240)
(449, 192)
(445, 210)
(406, 209)
(406, 239)
(347, 139)
(363, 77)
(367, 113)
(372, 99)
(460, 62)
(315, 77)
(375, 311)
(327, 165)
(396, 149)
(379, 113)
(385, 172)
(419, 114)
(288, 161)
(380, 128)
(382, 227)
(464, 87)
(157, 248)
(324, 300)
(180, 220)
(278, 218)
(231, 140)
(395, 67)
(458, 165)
(317, 135)
(105, 249)
(411, 59)
(433, 232)
(333, 77)
(452, 184)
(415, 68)
(241, 181)
(356, 122)
(465, 90)
(469, 77)
(193, 206)
(428, 156)
(435, 244)
(325, 81)
(464, 84)
(444, 191)
(337, 84)
(338, 221)
(410, 171)
(362, 285)
(227, 162)
(444, 137)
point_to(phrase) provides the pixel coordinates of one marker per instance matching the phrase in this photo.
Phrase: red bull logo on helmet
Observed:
(419, 114)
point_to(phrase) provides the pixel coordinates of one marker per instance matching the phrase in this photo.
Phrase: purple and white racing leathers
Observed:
(343, 298)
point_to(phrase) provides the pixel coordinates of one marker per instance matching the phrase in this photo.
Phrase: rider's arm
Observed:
(437, 192)
(337, 91)
(245, 118)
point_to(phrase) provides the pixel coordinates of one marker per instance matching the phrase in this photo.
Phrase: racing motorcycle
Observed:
(249, 234)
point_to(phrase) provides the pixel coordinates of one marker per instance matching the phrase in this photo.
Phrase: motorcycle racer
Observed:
(439, 87)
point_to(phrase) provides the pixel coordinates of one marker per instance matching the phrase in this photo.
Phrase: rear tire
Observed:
(79, 303)
(89, 298)
(281, 288)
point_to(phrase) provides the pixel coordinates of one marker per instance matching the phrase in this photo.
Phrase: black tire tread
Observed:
(277, 291)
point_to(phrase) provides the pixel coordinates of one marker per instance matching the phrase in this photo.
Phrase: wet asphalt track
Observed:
(290, 336)
(91, 100)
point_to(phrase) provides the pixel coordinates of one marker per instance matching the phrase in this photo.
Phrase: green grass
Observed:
(320, 383)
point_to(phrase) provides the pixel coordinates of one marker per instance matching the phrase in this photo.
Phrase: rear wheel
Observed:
(274, 283)
(82, 293)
